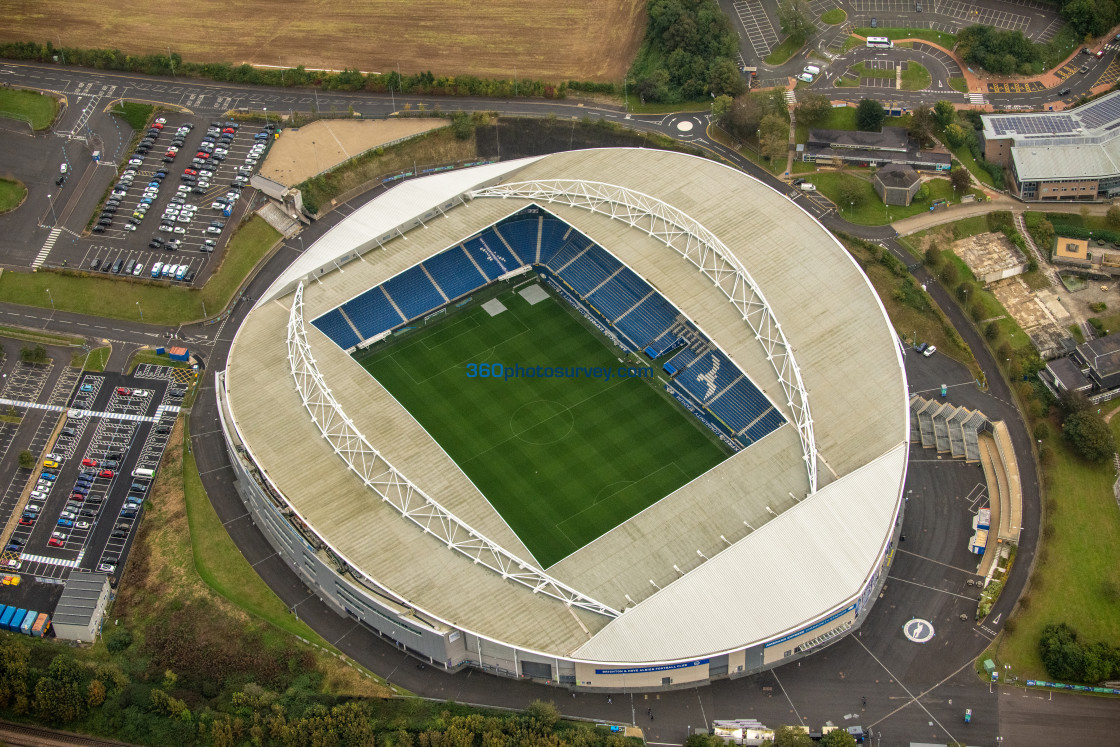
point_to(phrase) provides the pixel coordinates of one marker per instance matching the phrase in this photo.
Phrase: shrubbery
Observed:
(1069, 660)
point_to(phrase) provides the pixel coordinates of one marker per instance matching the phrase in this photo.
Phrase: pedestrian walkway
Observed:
(1047, 269)
(75, 413)
(25, 558)
(977, 99)
(47, 246)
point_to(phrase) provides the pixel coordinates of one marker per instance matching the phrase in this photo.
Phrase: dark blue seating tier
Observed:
(682, 359)
(740, 406)
(590, 270)
(413, 292)
(492, 264)
(648, 321)
(521, 235)
(335, 327)
(769, 422)
(552, 237)
(372, 313)
(454, 273)
(567, 252)
(616, 297)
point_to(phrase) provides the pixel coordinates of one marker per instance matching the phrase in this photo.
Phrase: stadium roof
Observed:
(844, 345)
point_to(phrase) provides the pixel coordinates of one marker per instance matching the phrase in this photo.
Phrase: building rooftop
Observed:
(78, 602)
(1067, 248)
(897, 175)
(1102, 354)
(890, 138)
(1069, 374)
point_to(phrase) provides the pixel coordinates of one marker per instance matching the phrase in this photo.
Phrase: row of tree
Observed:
(689, 52)
(424, 83)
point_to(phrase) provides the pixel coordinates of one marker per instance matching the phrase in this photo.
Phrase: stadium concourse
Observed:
(764, 335)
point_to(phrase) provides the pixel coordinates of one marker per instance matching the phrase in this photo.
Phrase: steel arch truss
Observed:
(394, 488)
(689, 238)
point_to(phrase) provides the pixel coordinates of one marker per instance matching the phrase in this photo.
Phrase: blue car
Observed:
(65, 523)
(81, 489)
(154, 184)
(48, 476)
(87, 388)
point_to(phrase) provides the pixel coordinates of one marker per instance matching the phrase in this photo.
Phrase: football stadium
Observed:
(621, 418)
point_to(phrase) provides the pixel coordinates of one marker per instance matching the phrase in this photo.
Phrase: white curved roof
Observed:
(785, 574)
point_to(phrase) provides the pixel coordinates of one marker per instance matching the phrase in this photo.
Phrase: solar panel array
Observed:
(1044, 125)
(1105, 111)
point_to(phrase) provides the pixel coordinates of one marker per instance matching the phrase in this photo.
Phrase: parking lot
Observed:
(100, 461)
(175, 200)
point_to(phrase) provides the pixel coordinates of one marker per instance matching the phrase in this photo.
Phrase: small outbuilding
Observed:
(82, 606)
(896, 184)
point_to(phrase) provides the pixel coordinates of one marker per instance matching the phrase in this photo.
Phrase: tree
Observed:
(461, 125)
(991, 332)
(1113, 216)
(787, 736)
(960, 179)
(745, 117)
(724, 78)
(95, 694)
(950, 274)
(795, 19)
(945, 113)
(26, 460)
(812, 107)
(37, 354)
(955, 135)
(721, 107)
(933, 257)
(59, 696)
(922, 194)
(775, 136)
(1090, 435)
(849, 192)
(870, 115)
(14, 662)
(921, 125)
(838, 738)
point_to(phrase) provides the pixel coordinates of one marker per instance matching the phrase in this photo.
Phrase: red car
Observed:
(124, 391)
(190, 172)
(77, 497)
(56, 542)
(89, 463)
(229, 131)
(107, 473)
(26, 522)
(202, 154)
(157, 125)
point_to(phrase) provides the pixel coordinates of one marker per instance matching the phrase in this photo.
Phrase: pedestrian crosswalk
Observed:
(26, 558)
(77, 413)
(791, 98)
(977, 99)
(47, 246)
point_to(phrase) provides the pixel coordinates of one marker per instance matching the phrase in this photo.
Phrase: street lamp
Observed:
(266, 116)
(758, 143)
(141, 311)
(51, 297)
(53, 214)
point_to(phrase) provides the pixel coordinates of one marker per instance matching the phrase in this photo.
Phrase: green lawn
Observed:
(788, 48)
(834, 17)
(149, 356)
(95, 360)
(915, 77)
(870, 210)
(843, 118)
(28, 106)
(563, 460)
(851, 43)
(1076, 574)
(948, 41)
(959, 84)
(161, 304)
(137, 115)
(12, 193)
(862, 70)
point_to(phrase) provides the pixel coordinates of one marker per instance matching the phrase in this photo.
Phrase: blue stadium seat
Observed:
(521, 235)
(740, 406)
(454, 272)
(372, 313)
(769, 422)
(413, 292)
(568, 251)
(552, 237)
(624, 290)
(335, 327)
(651, 319)
(590, 270)
(492, 266)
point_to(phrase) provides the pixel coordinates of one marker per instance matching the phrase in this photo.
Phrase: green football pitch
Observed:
(562, 460)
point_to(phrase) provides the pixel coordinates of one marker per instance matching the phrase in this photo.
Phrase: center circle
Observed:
(918, 630)
(541, 422)
(685, 126)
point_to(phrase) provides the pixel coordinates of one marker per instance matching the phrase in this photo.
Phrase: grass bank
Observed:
(137, 115)
(1077, 570)
(869, 209)
(788, 48)
(12, 193)
(160, 303)
(834, 17)
(45, 338)
(948, 41)
(35, 108)
(96, 359)
(915, 77)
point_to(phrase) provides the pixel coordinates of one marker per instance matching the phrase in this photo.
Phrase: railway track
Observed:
(24, 735)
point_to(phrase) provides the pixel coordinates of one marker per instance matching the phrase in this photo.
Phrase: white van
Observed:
(812, 70)
(805, 77)
(143, 473)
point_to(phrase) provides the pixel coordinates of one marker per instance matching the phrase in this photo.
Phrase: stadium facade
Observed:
(771, 555)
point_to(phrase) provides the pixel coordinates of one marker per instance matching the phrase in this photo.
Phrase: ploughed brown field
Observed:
(550, 40)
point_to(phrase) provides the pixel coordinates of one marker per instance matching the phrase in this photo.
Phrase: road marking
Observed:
(47, 246)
